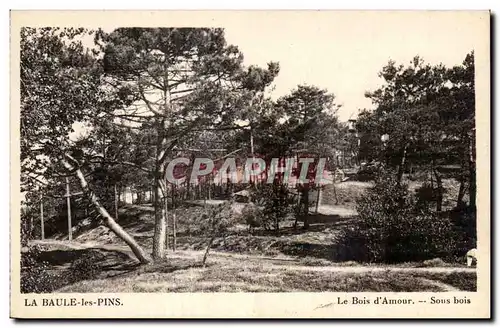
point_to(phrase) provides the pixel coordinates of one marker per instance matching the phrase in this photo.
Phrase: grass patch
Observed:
(237, 274)
(466, 281)
(357, 282)
(345, 193)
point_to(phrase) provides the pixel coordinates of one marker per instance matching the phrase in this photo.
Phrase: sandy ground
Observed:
(290, 262)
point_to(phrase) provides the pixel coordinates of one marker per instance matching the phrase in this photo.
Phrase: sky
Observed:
(345, 55)
(339, 51)
(343, 52)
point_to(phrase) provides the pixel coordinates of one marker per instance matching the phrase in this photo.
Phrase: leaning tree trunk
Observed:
(461, 193)
(205, 256)
(108, 220)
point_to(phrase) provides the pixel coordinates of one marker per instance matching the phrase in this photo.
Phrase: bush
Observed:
(253, 216)
(464, 221)
(394, 229)
(35, 277)
(276, 204)
(86, 267)
(426, 194)
(26, 232)
(368, 172)
(216, 222)
(206, 221)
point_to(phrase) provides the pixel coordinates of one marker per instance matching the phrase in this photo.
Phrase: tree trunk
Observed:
(277, 217)
(472, 188)
(472, 174)
(432, 176)
(108, 220)
(401, 168)
(160, 225)
(165, 205)
(318, 198)
(174, 228)
(210, 242)
(68, 207)
(174, 219)
(116, 203)
(439, 198)
(297, 212)
(252, 181)
(335, 193)
(159, 235)
(461, 193)
(41, 218)
(306, 208)
(31, 228)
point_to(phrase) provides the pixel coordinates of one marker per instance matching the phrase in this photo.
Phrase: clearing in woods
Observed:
(226, 272)
(294, 260)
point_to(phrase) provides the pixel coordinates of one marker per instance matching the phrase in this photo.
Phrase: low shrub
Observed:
(277, 204)
(86, 267)
(392, 228)
(253, 216)
(35, 276)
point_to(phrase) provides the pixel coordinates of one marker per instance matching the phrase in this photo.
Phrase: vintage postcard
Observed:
(250, 164)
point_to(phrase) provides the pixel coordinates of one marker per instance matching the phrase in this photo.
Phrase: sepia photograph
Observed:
(341, 155)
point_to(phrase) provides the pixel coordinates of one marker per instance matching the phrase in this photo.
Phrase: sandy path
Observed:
(276, 262)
